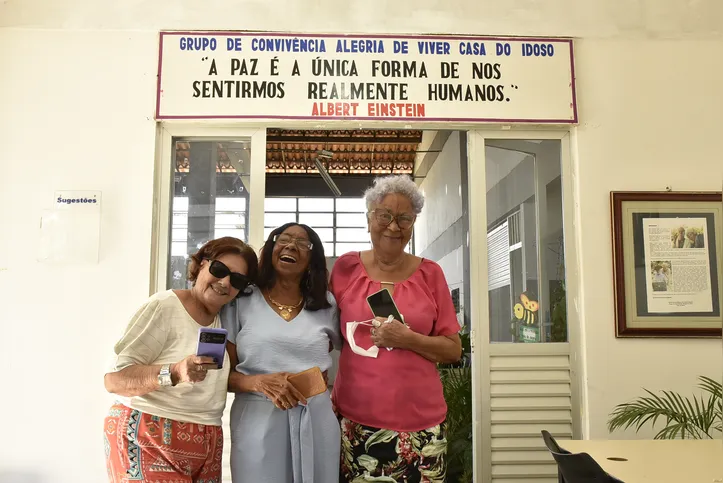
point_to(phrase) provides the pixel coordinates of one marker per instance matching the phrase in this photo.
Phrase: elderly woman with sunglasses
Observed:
(166, 425)
(288, 325)
(387, 389)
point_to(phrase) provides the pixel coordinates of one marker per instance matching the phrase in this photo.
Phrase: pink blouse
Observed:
(399, 389)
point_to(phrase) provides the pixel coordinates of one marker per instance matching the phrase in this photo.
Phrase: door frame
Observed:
(476, 239)
(481, 347)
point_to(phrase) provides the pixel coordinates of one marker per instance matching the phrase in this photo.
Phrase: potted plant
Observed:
(696, 418)
(457, 386)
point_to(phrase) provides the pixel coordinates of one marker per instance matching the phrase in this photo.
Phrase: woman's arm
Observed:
(237, 382)
(135, 380)
(445, 349)
(441, 348)
(134, 371)
(443, 343)
(139, 380)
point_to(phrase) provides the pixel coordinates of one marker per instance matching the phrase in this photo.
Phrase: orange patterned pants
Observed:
(143, 448)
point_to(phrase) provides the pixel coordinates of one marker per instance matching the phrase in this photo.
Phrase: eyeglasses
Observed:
(239, 281)
(286, 240)
(384, 218)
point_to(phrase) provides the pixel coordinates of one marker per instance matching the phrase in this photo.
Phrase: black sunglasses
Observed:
(239, 281)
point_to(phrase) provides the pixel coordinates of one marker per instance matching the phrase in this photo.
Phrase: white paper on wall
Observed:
(70, 231)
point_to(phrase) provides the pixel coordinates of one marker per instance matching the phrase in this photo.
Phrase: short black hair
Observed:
(314, 283)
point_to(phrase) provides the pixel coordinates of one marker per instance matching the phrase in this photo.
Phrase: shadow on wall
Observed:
(20, 477)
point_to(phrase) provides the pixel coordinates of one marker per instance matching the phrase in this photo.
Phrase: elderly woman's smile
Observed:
(219, 289)
(287, 258)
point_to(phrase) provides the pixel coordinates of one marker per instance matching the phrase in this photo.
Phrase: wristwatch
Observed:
(164, 377)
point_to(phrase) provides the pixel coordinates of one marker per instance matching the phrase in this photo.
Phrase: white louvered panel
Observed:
(498, 257)
(522, 404)
(536, 457)
(526, 473)
(546, 376)
(529, 392)
(532, 416)
(521, 444)
(530, 362)
(530, 430)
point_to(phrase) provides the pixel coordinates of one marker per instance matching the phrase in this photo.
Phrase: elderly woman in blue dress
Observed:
(286, 326)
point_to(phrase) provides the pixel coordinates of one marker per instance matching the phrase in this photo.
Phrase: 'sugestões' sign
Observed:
(217, 75)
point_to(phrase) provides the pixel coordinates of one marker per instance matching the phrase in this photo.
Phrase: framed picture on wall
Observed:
(666, 256)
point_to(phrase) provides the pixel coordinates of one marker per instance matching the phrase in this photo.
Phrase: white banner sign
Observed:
(217, 75)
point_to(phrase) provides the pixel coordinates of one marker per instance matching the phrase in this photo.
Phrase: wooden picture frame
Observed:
(667, 249)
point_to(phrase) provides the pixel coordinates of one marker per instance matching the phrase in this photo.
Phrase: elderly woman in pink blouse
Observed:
(390, 402)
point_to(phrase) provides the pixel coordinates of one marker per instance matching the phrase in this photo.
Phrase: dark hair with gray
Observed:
(395, 184)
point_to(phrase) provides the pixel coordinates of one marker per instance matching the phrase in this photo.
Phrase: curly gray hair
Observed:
(395, 184)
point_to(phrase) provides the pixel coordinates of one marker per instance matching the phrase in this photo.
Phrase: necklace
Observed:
(285, 310)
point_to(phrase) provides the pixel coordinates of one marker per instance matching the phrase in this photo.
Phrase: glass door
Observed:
(523, 356)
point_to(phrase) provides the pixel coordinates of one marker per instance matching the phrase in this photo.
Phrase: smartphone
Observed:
(212, 343)
(382, 305)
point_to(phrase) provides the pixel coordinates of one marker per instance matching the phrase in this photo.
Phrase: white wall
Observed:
(77, 113)
(651, 118)
(77, 97)
(443, 195)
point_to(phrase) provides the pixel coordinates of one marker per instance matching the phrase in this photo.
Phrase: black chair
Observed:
(576, 468)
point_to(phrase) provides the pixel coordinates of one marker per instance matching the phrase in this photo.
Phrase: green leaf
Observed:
(457, 385)
(698, 417)
(435, 448)
(368, 462)
(381, 436)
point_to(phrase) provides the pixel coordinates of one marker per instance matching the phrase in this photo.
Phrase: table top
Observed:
(659, 461)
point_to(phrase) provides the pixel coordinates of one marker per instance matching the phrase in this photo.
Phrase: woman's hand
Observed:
(278, 388)
(192, 369)
(392, 334)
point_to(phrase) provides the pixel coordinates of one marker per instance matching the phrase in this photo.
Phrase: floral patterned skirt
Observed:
(383, 455)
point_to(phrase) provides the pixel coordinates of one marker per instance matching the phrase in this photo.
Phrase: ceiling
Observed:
(292, 152)
(355, 152)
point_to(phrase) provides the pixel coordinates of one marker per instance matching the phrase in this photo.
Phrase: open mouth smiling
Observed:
(286, 258)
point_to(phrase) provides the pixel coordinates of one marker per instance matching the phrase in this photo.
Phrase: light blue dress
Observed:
(269, 445)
